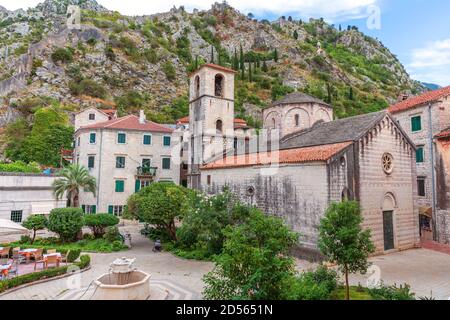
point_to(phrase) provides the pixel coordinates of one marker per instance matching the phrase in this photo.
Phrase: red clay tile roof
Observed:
(129, 123)
(299, 155)
(413, 102)
(217, 67)
(444, 134)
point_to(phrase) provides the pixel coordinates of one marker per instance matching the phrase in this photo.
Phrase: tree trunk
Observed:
(347, 287)
(76, 203)
(34, 236)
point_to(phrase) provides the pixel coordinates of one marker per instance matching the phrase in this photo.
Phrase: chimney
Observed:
(142, 117)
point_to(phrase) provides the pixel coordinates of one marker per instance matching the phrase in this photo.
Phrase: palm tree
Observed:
(73, 178)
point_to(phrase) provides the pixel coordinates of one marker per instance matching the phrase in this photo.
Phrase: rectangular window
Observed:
(121, 138)
(166, 163)
(208, 180)
(421, 187)
(88, 209)
(91, 162)
(147, 139)
(416, 124)
(92, 138)
(116, 210)
(16, 216)
(79, 141)
(92, 116)
(146, 163)
(120, 162)
(120, 186)
(420, 155)
(166, 141)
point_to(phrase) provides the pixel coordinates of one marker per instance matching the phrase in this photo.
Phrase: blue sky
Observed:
(417, 31)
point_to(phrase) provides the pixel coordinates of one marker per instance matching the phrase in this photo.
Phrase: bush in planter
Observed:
(112, 234)
(73, 255)
(66, 222)
(384, 292)
(317, 285)
(99, 222)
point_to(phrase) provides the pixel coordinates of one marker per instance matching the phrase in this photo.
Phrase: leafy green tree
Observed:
(16, 134)
(73, 178)
(35, 223)
(51, 132)
(99, 222)
(343, 241)
(295, 34)
(66, 222)
(255, 263)
(160, 204)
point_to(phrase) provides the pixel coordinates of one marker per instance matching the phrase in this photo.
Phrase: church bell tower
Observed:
(211, 117)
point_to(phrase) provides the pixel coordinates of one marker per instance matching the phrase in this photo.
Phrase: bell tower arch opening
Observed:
(219, 85)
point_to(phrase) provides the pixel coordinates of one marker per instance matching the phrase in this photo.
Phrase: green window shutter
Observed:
(94, 209)
(419, 155)
(91, 161)
(120, 186)
(121, 138)
(83, 207)
(166, 163)
(137, 185)
(167, 141)
(416, 123)
(147, 139)
(110, 209)
(92, 138)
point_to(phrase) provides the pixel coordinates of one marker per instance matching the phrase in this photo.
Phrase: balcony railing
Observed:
(146, 171)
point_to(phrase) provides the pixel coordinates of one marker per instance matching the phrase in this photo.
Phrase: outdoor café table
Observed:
(51, 255)
(27, 253)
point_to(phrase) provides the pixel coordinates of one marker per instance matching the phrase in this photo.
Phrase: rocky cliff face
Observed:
(142, 62)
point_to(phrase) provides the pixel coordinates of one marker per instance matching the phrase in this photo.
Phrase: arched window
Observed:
(219, 125)
(297, 120)
(197, 86)
(218, 85)
(274, 124)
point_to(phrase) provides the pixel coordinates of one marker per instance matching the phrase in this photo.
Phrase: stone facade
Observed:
(89, 116)
(22, 195)
(440, 120)
(292, 117)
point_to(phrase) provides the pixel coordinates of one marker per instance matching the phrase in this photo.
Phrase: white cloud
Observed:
(331, 10)
(431, 63)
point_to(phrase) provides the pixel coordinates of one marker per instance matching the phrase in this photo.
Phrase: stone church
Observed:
(302, 161)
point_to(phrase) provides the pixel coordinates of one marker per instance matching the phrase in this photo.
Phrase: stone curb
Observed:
(26, 285)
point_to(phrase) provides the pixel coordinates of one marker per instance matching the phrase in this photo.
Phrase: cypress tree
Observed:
(275, 55)
(196, 62)
(235, 61)
(242, 64)
(212, 54)
(350, 93)
(258, 62)
(250, 76)
(295, 34)
(264, 66)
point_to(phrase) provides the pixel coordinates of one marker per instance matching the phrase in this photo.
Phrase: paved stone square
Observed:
(425, 270)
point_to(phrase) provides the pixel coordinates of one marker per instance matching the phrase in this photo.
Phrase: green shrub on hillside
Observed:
(63, 55)
(88, 87)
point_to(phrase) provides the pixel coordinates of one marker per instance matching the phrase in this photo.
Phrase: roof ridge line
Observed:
(116, 121)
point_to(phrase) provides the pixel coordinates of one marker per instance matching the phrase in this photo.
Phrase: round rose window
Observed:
(388, 163)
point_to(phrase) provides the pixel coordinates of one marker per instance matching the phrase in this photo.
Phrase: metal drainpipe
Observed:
(99, 170)
(433, 173)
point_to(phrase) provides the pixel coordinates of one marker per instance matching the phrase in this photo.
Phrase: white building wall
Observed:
(30, 193)
(106, 149)
(82, 118)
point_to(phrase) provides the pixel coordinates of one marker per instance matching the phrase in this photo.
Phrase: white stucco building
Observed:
(124, 155)
(24, 194)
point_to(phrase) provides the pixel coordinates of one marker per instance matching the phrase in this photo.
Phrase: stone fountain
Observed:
(123, 282)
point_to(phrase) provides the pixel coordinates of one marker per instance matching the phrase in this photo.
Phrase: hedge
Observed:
(85, 261)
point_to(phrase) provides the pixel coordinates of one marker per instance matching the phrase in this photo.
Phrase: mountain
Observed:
(431, 86)
(142, 62)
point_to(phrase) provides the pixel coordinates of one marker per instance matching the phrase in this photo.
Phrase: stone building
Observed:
(124, 155)
(24, 194)
(423, 117)
(297, 111)
(318, 161)
(213, 129)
